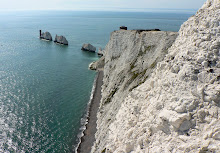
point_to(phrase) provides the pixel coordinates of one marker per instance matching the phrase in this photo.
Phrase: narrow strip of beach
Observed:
(89, 134)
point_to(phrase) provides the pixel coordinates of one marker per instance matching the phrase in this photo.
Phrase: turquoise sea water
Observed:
(44, 87)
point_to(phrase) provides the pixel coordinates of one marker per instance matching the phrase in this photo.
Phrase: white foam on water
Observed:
(84, 120)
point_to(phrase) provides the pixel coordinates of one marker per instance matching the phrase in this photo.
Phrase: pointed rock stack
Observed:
(101, 52)
(46, 35)
(61, 40)
(88, 47)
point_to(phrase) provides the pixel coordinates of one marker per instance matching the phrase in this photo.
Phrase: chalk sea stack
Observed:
(101, 52)
(88, 47)
(46, 35)
(61, 40)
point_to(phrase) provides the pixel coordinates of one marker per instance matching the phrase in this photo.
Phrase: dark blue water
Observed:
(44, 87)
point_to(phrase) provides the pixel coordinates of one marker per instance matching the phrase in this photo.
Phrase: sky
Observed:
(108, 5)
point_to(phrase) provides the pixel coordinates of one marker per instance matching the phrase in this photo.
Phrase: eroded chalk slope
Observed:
(177, 108)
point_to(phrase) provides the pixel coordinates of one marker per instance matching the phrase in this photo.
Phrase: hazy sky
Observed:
(98, 4)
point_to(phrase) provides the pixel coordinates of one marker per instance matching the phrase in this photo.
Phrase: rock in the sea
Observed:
(46, 35)
(61, 40)
(101, 52)
(88, 47)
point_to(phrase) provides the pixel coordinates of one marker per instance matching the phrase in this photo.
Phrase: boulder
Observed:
(46, 35)
(88, 47)
(61, 40)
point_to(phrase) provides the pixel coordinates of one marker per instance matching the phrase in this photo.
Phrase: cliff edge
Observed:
(157, 98)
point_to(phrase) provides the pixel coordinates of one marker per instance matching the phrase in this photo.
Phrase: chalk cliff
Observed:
(157, 98)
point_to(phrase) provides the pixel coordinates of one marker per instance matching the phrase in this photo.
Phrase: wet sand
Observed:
(89, 134)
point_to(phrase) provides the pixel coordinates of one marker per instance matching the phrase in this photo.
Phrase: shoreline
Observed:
(88, 138)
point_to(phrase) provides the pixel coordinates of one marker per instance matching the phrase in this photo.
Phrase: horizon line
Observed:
(105, 9)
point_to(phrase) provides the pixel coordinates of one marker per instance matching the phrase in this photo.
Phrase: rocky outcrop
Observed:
(156, 104)
(98, 65)
(88, 47)
(61, 40)
(46, 36)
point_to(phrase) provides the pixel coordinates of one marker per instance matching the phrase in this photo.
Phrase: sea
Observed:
(45, 88)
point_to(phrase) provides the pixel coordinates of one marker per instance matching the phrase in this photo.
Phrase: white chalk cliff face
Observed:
(130, 58)
(167, 106)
